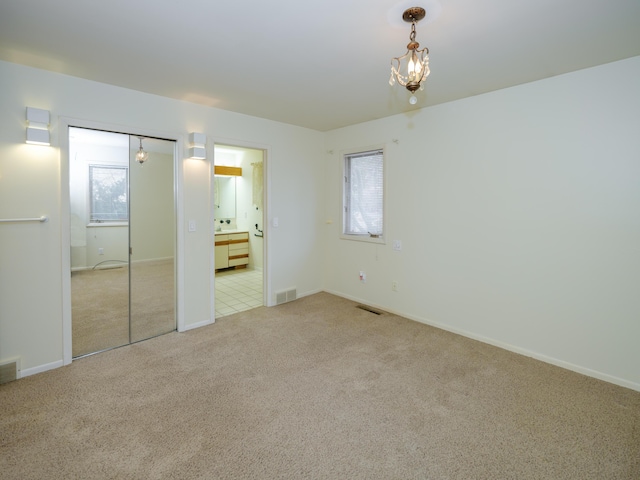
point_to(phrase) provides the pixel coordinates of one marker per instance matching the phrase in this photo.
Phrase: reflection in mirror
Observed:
(152, 233)
(98, 184)
(225, 197)
(122, 221)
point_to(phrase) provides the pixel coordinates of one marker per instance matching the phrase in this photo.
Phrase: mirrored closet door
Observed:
(122, 207)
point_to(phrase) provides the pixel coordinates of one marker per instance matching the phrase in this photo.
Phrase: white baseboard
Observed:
(121, 263)
(310, 292)
(505, 346)
(191, 326)
(25, 372)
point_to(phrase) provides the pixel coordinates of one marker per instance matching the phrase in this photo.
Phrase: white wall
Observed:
(248, 214)
(519, 216)
(30, 185)
(86, 240)
(518, 213)
(153, 208)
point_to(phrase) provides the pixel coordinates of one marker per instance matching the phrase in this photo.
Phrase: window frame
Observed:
(106, 222)
(344, 175)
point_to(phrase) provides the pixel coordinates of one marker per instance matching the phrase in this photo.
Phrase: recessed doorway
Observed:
(239, 228)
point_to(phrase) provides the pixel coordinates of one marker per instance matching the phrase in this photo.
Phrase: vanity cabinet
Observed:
(232, 250)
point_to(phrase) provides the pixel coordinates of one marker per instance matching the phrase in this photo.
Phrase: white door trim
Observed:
(266, 271)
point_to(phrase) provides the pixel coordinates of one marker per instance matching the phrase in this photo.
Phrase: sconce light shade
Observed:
(35, 136)
(38, 126)
(197, 152)
(197, 148)
(197, 138)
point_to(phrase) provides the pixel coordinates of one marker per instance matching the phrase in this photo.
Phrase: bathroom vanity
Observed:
(232, 249)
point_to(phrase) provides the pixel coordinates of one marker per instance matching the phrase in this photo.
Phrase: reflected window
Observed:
(108, 193)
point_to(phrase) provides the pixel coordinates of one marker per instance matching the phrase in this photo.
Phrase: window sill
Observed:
(364, 238)
(109, 224)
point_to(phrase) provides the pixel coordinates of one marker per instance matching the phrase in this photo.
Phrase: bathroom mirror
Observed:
(225, 197)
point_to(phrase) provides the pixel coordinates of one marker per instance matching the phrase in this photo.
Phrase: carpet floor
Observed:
(101, 299)
(316, 389)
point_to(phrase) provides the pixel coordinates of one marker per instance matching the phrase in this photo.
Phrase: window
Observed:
(108, 194)
(363, 196)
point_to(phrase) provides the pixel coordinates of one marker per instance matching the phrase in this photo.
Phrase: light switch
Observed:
(397, 245)
(192, 225)
(276, 222)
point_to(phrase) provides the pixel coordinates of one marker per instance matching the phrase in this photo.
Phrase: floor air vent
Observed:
(367, 308)
(285, 296)
(9, 371)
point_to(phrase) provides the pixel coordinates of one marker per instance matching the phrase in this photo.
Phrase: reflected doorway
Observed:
(123, 230)
(239, 228)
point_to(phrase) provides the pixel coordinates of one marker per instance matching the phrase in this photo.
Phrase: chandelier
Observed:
(141, 155)
(411, 69)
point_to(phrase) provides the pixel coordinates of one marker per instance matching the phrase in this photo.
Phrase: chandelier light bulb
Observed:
(411, 69)
(414, 68)
(142, 156)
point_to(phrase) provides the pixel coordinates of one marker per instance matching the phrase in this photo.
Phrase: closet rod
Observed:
(43, 218)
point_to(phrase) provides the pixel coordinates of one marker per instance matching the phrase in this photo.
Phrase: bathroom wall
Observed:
(250, 210)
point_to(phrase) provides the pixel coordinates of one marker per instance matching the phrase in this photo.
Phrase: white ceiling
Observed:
(320, 64)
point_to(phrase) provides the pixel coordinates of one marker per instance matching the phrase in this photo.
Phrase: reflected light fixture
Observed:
(141, 155)
(411, 69)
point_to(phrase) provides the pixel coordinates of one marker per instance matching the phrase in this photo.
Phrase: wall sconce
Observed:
(197, 142)
(38, 126)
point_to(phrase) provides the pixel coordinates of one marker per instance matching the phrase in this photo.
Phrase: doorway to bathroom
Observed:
(122, 238)
(239, 228)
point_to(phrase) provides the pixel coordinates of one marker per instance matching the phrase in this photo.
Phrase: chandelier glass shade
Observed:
(141, 155)
(411, 69)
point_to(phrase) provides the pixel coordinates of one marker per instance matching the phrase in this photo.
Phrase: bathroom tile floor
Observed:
(237, 291)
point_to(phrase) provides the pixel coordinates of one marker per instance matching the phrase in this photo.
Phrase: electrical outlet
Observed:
(363, 277)
(397, 245)
(101, 251)
(394, 285)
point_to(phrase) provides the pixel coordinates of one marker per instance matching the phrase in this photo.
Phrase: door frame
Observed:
(266, 200)
(65, 224)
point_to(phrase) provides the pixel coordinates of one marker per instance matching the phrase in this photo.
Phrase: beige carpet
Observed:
(316, 389)
(100, 305)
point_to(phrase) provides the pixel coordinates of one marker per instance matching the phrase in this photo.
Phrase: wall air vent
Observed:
(286, 296)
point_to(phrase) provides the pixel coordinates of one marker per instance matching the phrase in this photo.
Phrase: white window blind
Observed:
(108, 193)
(363, 194)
